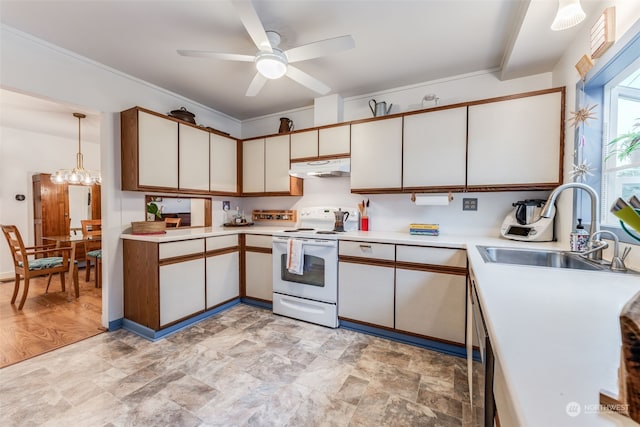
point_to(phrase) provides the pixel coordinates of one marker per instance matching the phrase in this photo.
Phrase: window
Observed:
(614, 86)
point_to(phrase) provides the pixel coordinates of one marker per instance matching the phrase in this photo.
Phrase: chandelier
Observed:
(77, 175)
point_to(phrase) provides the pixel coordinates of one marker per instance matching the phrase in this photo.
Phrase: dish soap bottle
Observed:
(579, 238)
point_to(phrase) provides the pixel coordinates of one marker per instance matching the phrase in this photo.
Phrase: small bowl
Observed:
(183, 114)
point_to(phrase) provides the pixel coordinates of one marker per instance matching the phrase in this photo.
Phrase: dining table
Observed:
(71, 241)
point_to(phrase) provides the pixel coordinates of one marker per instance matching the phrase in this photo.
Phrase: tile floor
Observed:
(242, 367)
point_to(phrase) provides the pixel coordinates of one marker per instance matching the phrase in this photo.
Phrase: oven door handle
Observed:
(307, 242)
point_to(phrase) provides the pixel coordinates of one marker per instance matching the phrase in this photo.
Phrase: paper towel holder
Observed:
(450, 196)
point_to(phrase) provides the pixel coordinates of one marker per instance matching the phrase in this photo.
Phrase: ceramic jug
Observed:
(379, 108)
(286, 125)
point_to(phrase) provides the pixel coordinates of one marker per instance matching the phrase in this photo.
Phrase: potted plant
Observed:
(153, 212)
(626, 144)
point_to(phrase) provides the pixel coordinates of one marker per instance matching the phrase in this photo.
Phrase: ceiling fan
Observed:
(271, 61)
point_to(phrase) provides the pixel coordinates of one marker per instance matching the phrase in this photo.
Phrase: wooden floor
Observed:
(47, 321)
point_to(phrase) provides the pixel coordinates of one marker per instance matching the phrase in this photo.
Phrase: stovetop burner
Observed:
(325, 232)
(299, 229)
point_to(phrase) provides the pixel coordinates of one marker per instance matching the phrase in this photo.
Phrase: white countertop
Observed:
(554, 332)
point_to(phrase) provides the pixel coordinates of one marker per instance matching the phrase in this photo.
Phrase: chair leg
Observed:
(76, 285)
(24, 292)
(46, 290)
(98, 273)
(16, 287)
(62, 281)
(87, 267)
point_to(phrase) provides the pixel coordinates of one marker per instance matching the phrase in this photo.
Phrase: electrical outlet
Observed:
(226, 205)
(469, 204)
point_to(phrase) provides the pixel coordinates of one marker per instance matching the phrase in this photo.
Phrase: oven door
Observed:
(319, 280)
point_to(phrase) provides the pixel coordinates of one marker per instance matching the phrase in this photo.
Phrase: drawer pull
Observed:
(365, 246)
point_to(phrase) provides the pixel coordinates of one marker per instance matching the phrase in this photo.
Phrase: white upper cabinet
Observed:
(157, 151)
(223, 164)
(376, 155)
(515, 142)
(434, 150)
(276, 167)
(253, 166)
(193, 158)
(304, 144)
(334, 140)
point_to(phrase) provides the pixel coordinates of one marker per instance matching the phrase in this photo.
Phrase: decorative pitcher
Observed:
(341, 217)
(379, 108)
(286, 125)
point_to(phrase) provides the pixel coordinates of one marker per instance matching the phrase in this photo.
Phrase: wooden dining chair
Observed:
(92, 236)
(173, 222)
(55, 260)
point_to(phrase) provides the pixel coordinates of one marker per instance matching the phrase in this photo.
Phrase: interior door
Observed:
(50, 208)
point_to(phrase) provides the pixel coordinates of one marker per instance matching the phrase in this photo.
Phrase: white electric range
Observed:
(313, 295)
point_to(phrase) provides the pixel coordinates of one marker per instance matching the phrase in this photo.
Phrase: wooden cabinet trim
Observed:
(313, 159)
(366, 261)
(223, 251)
(458, 271)
(179, 259)
(258, 249)
(141, 278)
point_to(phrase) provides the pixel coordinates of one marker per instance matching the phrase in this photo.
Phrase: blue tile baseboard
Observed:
(153, 335)
(114, 325)
(257, 303)
(441, 347)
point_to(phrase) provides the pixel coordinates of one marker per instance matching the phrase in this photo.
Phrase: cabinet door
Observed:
(304, 144)
(376, 155)
(365, 293)
(431, 304)
(259, 275)
(276, 166)
(157, 151)
(222, 278)
(516, 141)
(253, 166)
(181, 290)
(434, 149)
(334, 140)
(223, 164)
(194, 158)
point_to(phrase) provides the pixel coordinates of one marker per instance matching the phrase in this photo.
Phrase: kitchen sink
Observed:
(538, 258)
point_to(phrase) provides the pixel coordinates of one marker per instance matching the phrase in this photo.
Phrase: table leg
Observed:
(73, 272)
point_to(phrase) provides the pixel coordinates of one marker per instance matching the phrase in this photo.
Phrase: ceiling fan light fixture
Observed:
(569, 14)
(271, 65)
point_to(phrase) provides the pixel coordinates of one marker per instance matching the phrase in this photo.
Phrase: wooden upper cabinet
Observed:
(223, 164)
(276, 167)
(253, 166)
(376, 155)
(516, 143)
(157, 151)
(434, 150)
(304, 145)
(334, 140)
(193, 158)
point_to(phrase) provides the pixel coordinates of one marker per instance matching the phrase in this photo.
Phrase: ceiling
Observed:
(397, 42)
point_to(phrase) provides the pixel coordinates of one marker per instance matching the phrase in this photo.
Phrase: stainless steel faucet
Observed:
(549, 211)
(617, 262)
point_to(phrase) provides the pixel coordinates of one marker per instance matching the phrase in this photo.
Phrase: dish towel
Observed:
(295, 256)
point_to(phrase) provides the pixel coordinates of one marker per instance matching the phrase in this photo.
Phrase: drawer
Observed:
(259, 241)
(433, 256)
(221, 242)
(181, 248)
(368, 250)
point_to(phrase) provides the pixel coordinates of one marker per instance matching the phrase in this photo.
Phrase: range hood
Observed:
(321, 168)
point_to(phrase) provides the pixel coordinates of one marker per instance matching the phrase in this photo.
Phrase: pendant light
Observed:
(569, 14)
(77, 175)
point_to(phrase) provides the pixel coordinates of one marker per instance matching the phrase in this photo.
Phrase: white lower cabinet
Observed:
(181, 290)
(259, 268)
(365, 293)
(431, 304)
(222, 278)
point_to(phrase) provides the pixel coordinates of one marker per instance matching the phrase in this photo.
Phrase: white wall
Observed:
(35, 67)
(565, 74)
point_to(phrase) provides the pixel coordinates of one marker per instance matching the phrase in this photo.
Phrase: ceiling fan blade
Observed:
(256, 85)
(216, 55)
(306, 80)
(320, 48)
(253, 24)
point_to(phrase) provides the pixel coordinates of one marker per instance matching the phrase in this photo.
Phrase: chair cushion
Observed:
(95, 254)
(43, 263)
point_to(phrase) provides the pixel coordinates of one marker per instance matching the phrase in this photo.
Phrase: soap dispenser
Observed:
(579, 238)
